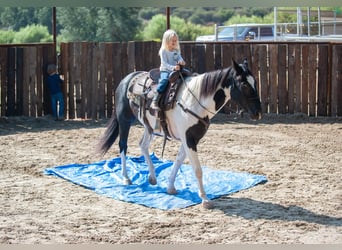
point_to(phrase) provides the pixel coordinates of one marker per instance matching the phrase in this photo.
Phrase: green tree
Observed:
(44, 17)
(16, 17)
(186, 31)
(238, 19)
(32, 34)
(117, 24)
(76, 23)
(7, 36)
(98, 24)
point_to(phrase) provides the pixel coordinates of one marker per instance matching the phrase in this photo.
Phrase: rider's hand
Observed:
(181, 63)
(177, 67)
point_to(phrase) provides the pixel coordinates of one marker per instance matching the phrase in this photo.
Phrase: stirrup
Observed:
(154, 106)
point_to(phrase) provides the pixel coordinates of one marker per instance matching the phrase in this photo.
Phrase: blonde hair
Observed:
(167, 38)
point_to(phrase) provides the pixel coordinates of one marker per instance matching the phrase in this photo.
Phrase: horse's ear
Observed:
(237, 67)
(245, 63)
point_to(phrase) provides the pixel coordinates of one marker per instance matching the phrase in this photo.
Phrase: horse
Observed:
(199, 98)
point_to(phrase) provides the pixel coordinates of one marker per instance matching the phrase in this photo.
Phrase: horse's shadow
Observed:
(253, 209)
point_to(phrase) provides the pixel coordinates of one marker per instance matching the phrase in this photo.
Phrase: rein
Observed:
(202, 120)
(213, 113)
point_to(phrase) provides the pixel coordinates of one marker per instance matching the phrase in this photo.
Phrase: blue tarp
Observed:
(105, 178)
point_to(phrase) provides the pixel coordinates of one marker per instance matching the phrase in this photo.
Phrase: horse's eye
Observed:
(246, 88)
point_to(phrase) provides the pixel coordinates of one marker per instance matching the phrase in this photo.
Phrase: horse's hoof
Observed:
(152, 181)
(208, 204)
(171, 191)
(128, 182)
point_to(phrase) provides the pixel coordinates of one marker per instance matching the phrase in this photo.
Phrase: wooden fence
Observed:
(22, 78)
(293, 77)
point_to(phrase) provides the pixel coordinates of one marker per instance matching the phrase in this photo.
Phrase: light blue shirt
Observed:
(169, 59)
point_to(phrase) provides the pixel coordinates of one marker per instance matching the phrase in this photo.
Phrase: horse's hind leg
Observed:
(124, 130)
(178, 162)
(144, 146)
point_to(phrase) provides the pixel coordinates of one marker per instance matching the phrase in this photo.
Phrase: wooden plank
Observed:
(124, 62)
(323, 83)
(88, 85)
(305, 78)
(117, 75)
(139, 55)
(39, 77)
(64, 70)
(209, 61)
(186, 50)
(298, 79)
(3, 79)
(241, 52)
(255, 62)
(47, 58)
(95, 81)
(109, 93)
(84, 79)
(131, 56)
(194, 59)
(198, 58)
(77, 81)
(273, 83)
(264, 82)
(155, 54)
(20, 80)
(224, 59)
(10, 110)
(26, 90)
(152, 52)
(218, 56)
(102, 79)
(282, 81)
(336, 80)
(227, 54)
(70, 86)
(33, 81)
(312, 65)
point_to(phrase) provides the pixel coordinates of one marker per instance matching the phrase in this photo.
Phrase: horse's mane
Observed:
(211, 80)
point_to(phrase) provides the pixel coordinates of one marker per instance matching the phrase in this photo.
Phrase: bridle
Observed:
(204, 121)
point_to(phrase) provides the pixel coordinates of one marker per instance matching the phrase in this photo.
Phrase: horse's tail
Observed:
(109, 136)
(121, 120)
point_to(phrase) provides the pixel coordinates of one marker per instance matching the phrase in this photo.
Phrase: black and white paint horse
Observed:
(199, 99)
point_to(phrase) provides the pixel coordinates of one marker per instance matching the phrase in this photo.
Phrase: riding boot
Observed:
(155, 101)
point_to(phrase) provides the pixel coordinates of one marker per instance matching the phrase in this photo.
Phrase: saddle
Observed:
(168, 98)
(141, 91)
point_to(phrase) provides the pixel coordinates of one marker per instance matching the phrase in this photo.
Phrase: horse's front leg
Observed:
(178, 162)
(199, 175)
(144, 146)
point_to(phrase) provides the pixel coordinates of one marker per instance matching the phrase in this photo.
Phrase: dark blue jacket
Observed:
(54, 84)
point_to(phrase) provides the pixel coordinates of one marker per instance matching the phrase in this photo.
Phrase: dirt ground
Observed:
(300, 203)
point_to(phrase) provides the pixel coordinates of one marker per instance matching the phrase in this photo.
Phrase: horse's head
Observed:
(244, 90)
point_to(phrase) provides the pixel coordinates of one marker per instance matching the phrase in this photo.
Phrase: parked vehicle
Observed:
(240, 32)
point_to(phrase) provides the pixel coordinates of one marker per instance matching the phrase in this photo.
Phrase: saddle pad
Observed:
(105, 178)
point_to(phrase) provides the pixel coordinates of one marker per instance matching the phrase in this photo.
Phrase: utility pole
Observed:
(54, 32)
(167, 18)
